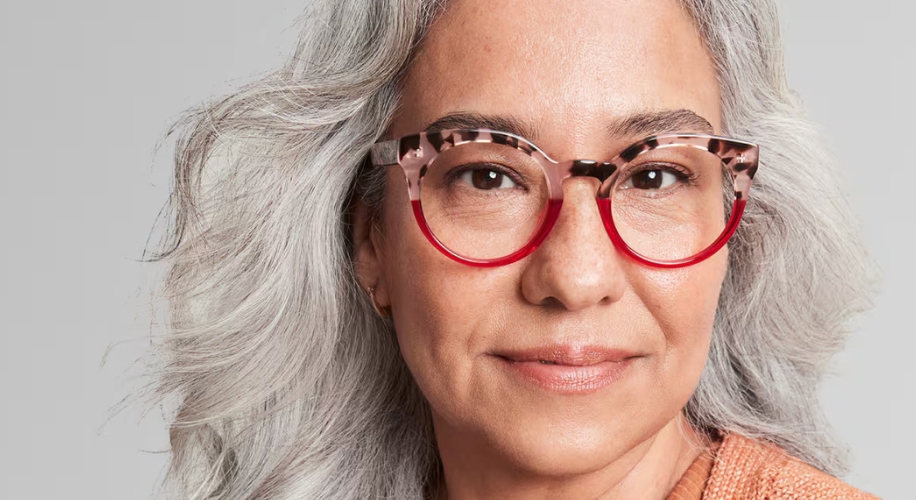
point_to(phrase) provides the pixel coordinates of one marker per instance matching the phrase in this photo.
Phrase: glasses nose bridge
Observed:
(558, 172)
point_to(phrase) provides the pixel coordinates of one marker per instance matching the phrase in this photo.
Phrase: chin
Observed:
(557, 456)
(566, 444)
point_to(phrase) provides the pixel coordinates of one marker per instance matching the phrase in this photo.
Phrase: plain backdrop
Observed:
(87, 90)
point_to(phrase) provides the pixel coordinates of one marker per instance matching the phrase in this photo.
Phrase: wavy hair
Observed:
(286, 383)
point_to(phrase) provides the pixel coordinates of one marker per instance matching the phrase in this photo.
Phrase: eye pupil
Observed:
(649, 179)
(486, 179)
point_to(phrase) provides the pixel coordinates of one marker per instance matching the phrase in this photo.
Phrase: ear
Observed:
(368, 255)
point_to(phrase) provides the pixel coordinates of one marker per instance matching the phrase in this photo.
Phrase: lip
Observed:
(566, 369)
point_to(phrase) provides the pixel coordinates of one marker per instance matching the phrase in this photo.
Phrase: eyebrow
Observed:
(659, 122)
(635, 125)
(477, 120)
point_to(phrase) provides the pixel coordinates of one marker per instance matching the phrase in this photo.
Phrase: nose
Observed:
(577, 266)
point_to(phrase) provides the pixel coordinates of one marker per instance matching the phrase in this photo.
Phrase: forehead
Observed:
(567, 68)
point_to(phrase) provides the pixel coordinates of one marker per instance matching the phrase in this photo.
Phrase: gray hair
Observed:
(288, 385)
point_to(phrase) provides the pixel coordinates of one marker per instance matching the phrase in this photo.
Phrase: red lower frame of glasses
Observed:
(604, 204)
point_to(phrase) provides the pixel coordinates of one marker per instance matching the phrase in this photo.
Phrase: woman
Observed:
(474, 250)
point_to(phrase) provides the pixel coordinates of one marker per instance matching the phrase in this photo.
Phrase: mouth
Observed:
(567, 355)
(566, 369)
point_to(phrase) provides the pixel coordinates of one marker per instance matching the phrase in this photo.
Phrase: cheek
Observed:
(443, 311)
(683, 303)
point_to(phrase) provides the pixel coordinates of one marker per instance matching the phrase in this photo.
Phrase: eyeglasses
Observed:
(488, 198)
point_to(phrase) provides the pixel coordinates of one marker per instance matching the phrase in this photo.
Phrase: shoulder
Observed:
(748, 469)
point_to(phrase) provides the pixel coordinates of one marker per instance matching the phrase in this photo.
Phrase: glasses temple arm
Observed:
(384, 153)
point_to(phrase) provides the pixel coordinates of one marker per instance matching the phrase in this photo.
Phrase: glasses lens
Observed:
(483, 201)
(672, 202)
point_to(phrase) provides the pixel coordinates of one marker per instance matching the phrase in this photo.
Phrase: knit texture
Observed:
(693, 482)
(744, 469)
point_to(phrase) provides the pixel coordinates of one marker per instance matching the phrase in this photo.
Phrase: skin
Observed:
(553, 65)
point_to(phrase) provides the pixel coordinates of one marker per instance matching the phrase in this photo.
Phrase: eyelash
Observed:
(683, 174)
(454, 175)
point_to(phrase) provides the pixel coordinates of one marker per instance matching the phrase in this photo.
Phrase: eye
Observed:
(653, 179)
(487, 179)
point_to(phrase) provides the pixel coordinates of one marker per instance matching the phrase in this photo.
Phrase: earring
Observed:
(383, 312)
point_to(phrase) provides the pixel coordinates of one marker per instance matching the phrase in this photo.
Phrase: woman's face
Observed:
(627, 342)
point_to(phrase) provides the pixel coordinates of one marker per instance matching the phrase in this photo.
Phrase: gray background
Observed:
(86, 91)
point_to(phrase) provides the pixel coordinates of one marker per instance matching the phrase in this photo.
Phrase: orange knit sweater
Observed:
(743, 469)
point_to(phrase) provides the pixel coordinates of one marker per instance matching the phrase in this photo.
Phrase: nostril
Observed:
(552, 303)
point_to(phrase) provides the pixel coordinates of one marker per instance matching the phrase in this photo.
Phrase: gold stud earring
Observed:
(383, 312)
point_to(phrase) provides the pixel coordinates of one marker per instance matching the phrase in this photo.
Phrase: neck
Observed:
(649, 470)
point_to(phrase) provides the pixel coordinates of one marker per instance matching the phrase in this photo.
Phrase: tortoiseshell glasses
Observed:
(488, 198)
